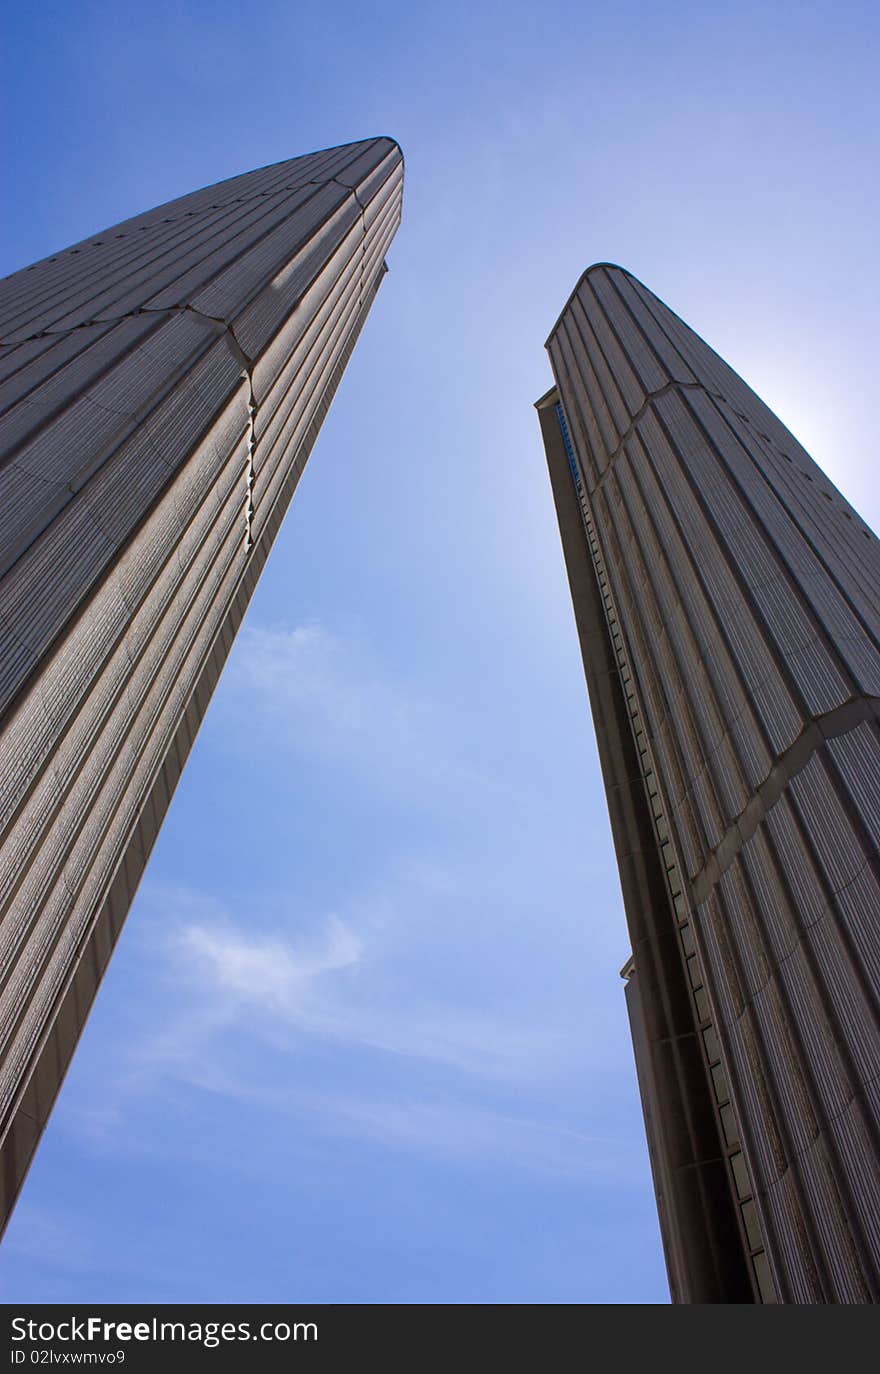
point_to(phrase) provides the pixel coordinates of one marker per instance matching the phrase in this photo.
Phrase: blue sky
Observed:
(363, 1038)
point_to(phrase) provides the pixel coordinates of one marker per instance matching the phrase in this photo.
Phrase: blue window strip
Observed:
(569, 449)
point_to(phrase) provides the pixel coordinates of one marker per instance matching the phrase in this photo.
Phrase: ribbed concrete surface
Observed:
(161, 387)
(747, 593)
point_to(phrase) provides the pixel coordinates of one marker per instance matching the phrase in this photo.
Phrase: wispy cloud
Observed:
(320, 691)
(310, 692)
(419, 997)
(330, 987)
(306, 693)
(456, 1130)
(246, 1005)
(269, 973)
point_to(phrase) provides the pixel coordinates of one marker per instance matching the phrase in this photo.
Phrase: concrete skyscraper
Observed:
(161, 387)
(727, 600)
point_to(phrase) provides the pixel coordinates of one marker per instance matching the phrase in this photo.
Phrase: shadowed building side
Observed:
(698, 1224)
(727, 600)
(161, 387)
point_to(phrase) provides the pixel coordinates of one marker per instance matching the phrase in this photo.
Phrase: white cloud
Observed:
(428, 995)
(278, 991)
(362, 1025)
(269, 973)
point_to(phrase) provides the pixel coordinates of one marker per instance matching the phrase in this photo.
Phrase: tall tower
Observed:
(161, 387)
(727, 600)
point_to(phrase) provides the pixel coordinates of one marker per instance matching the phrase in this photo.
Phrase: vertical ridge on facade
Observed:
(161, 387)
(737, 603)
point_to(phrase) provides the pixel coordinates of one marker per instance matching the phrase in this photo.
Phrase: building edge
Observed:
(705, 1257)
(52, 1058)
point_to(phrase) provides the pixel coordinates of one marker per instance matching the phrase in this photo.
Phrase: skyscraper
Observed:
(727, 600)
(161, 387)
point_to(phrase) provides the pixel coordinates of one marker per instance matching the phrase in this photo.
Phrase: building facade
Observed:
(727, 600)
(161, 387)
